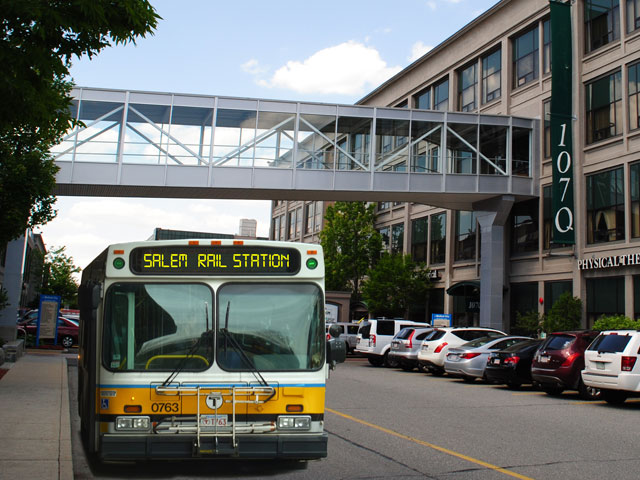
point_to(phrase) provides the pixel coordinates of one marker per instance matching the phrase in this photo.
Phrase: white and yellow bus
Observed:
(194, 348)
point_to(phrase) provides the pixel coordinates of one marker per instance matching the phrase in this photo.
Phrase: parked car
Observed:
(434, 350)
(406, 344)
(512, 366)
(470, 359)
(560, 360)
(611, 364)
(67, 330)
(349, 333)
(375, 335)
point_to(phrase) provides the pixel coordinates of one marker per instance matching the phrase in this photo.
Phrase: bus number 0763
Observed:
(165, 407)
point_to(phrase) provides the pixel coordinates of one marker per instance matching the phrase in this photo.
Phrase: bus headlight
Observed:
(294, 423)
(133, 423)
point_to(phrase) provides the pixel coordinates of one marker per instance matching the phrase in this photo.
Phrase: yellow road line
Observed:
(529, 393)
(431, 445)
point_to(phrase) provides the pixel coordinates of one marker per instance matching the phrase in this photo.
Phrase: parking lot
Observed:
(388, 423)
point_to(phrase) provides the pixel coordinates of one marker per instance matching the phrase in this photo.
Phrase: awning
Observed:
(465, 288)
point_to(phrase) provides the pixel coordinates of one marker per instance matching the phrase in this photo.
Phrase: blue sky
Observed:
(330, 51)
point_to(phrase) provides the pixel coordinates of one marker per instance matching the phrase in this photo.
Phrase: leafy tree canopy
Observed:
(616, 322)
(39, 40)
(565, 314)
(394, 284)
(58, 276)
(350, 243)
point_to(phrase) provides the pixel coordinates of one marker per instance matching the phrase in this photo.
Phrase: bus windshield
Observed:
(278, 327)
(157, 326)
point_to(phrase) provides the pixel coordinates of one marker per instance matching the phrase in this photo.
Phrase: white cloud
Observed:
(418, 49)
(432, 5)
(350, 68)
(253, 67)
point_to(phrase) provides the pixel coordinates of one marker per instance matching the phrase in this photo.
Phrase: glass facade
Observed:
(634, 96)
(601, 22)
(604, 107)
(419, 239)
(438, 239)
(524, 227)
(492, 76)
(525, 58)
(634, 187)
(605, 296)
(605, 206)
(465, 236)
(467, 87)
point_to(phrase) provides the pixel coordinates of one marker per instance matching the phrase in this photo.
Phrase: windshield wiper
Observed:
(206, 335)
(228, 338)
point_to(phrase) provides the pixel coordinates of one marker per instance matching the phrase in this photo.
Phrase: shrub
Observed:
(528, 324)
(565, 314)
(616, 322)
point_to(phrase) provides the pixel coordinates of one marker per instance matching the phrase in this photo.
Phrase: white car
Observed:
(434, 350)
(375, 335)
(611, 364)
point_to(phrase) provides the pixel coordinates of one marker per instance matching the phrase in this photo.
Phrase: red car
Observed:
(67, 330)
(559, 361)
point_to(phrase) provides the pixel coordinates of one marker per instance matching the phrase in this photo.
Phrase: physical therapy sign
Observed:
(561, 124)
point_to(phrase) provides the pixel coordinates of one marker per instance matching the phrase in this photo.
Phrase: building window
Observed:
(403, 104)
(384, 233)
(467, 82)
(437, 239)
(283, 227)
(276, 228)
(634, 96)
(419, 239)
(423, 99)
(292, 224)
(384, 206)
(633, 15)
(524, 299)
(604, 107)
(309, 217)
(318, 223)
(546, 107)
(634, 186)
(524, 227)
(602, 23)
(636, 297)
(298, 222)
(605, 296)
(492, 76)
(397, 238)
(525, 58)
(546, 46)
(465, 236)
(441, 95)
(605, 206)
(553, 290)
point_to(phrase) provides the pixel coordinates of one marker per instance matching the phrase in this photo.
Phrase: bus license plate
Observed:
(212, 421)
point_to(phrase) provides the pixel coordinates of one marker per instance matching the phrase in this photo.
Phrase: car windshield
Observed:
(404, 333)
(365, 330)
(558, 342)
(276, 326)
(611, 343)
(478, 342)
(157, 326)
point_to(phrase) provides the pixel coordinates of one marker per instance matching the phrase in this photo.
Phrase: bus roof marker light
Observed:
(118, 263)
(312, 263)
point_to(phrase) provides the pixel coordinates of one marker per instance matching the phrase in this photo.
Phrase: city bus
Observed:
(204, 348)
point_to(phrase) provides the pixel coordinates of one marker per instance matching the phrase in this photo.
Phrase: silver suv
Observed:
(349, 333)
(375, 335)
(406, 345)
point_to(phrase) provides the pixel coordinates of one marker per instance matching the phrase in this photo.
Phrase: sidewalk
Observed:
(35, 442)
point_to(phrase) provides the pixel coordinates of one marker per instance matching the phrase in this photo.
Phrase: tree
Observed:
(39, 40)
(616, 322)
(58, 276)
(394, 284)
(350, 243)
(529, 323)
(565, 314)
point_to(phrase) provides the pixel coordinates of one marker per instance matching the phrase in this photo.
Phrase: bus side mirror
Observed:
(336, 352)
(335, 331)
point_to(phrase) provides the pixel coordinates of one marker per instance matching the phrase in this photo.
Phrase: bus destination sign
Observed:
(214, 260)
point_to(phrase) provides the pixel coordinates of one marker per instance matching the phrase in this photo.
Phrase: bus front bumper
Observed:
(168, 447)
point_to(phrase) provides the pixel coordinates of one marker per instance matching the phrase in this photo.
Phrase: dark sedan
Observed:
(512, 366)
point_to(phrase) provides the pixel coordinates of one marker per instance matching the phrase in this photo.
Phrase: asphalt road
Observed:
(392, 424)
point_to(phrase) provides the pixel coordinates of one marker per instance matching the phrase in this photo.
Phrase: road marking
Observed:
(431, 445)
(529, 393)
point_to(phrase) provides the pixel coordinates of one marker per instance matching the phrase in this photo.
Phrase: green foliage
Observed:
(59, 280)
(529, 324)
(39, 40)
(394, 284)
(565, 314)
(351, 244)
(616, 322)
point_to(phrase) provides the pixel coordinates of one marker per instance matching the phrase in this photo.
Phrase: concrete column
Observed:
(492, 215)
(13, 285)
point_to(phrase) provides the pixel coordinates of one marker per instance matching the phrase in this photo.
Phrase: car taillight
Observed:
(328, 336)
(411, 339)
(628, 363)
(373, 340)
(512, 359)
(440, 347)
(569, 360)
(469, 356)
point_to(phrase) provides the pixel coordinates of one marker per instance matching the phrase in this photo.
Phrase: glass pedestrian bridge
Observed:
(148, 144)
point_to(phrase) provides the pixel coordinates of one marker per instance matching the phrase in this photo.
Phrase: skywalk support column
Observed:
(492, 215)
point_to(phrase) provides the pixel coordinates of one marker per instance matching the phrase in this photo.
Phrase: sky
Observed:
(329, 51)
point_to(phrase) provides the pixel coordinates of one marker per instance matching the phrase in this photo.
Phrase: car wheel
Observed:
(614, 397)
(375, 361)
(588, 393)
(438, 372)
(406, 368)
(67, 341)
(468, 379)
(552, 390)
(390, 362)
